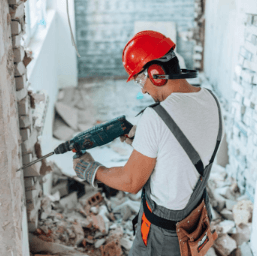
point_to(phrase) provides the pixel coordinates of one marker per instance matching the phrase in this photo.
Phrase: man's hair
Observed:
(170, 67)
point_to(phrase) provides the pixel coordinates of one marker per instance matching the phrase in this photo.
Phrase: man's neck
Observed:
(179, 86)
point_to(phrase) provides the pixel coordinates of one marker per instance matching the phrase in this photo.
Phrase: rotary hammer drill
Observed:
(98, 135)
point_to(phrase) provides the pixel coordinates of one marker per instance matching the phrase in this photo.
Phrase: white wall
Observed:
(54, 65)
(223, 35)
(225, 28)
(66, 53)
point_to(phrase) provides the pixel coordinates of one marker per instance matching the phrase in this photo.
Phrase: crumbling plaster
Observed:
(12, 193)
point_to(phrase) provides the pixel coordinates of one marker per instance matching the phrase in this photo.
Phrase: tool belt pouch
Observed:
(194, 233)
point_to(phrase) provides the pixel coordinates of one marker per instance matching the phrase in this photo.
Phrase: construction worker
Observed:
(175, 143)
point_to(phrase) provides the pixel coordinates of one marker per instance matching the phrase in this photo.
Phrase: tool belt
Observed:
(194, 232)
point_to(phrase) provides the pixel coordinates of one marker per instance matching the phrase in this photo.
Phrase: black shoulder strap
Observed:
(182, 139)
(153, 105)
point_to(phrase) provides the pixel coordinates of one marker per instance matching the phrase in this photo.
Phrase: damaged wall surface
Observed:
(231, 66)
(13, 219)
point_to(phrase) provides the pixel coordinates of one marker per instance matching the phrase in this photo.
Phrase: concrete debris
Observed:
(225, 244)
(230, 204)
(227, 225)
(99, 242)
(61, 131)
(211, 252)
(95, 225)
(227, 214)
(69, 114)
(133, 205)
(37, 245)
(243, 234)
(243, 211)
(126, 243)
(55, 197)
(94, 210)
(62, 187)
(70, 201)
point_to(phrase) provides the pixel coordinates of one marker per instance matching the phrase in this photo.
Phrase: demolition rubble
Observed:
(77, 219)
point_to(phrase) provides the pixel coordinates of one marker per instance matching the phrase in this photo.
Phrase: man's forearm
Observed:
(114, 177)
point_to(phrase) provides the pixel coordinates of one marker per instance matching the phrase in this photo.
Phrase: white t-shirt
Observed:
(174, 176)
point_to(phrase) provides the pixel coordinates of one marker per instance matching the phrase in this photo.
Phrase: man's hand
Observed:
(86, 168)
(130, 135)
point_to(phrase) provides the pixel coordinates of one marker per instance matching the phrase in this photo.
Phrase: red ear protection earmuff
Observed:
(156, 69)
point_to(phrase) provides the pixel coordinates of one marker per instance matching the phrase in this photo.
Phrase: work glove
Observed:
(86, 167)
(131, 134)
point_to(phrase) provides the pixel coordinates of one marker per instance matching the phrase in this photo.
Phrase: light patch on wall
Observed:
(1, 45)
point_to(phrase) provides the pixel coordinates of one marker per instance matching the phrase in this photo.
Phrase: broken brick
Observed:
(36, 98)
(92, 199)
(29, 182)
(79, 233)
(25, 121)
(113, 248)
(45, 167)
(25, 133)
(23, 107)
(27, 58)
(28, 145)
(98, 222)
(33, 170)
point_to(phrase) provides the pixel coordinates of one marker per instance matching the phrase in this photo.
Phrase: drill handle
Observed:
(79, 152)
(128, 126)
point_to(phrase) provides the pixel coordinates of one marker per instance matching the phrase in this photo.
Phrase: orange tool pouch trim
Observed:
(145, 226)
(194, 233)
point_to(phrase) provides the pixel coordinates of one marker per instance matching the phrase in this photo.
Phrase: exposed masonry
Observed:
(241, 124)
(104, 27)
(198, 34)
(30, 106)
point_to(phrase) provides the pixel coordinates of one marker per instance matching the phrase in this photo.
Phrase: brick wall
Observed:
(243, 135)
(19, 112)
(104, 27)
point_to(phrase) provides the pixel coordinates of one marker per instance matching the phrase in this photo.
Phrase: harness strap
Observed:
(156, 220)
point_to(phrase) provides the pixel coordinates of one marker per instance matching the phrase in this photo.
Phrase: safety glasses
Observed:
(141, 78)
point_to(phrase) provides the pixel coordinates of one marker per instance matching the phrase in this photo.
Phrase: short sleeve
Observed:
(146, 136)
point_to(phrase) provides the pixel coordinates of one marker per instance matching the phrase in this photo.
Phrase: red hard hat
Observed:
(145, 46)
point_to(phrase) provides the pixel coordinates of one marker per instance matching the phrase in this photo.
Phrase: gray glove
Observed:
(131, 134)
(86, 168)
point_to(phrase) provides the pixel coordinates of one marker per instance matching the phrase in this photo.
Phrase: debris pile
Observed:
(83, 221)
(77, 219)
(232, 215)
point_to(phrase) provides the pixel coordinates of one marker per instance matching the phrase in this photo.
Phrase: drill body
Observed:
(98, 135)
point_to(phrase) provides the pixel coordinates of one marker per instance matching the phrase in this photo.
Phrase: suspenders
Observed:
(192, 154)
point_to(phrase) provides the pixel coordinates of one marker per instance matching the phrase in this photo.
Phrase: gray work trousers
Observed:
(160, 242)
